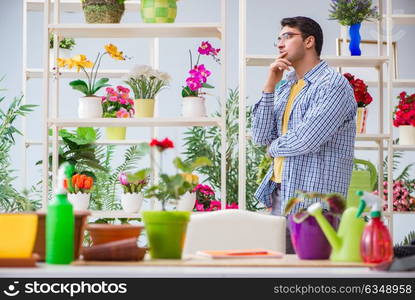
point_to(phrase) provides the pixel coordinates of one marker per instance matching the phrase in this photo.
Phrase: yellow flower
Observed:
(61, 62)
(191, 178)
(112, 50)
(80, 61)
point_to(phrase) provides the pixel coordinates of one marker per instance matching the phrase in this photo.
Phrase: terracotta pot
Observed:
(80, 222)
(119, 250)
(105, 233)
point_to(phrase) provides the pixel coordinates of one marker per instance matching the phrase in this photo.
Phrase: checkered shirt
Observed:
(319, 145)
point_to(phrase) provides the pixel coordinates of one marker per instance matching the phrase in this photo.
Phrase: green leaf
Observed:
(207, 86)
(100, 84)
(80, 85)
(87, 133)
(201, 162)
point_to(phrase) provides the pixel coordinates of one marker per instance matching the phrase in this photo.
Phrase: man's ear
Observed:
(310, 42)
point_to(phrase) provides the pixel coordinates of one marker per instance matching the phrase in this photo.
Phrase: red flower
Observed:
(404, 113)
(162, 145)
(363, 98)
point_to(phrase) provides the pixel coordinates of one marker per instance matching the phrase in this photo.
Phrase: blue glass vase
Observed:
(355, 38)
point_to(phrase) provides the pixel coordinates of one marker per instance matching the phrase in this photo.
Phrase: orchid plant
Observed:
(134, 182)
(146, 82)
(117, 103)
(81, 62)
(198, 73)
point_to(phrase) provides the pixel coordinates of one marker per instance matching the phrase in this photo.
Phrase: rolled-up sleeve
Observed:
(323, 120)
(264, 125)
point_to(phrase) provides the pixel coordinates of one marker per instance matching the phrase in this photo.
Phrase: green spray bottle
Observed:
(60, 222)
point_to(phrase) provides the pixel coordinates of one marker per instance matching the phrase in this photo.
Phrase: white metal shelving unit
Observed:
(383, 140)
(50, 111)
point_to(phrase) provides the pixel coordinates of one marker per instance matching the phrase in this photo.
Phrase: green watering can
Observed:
(345, 243)
(362, 180)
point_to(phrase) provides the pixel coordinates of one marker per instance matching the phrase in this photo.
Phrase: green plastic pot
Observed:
(364, 180)
(158, 11)
(166, 232)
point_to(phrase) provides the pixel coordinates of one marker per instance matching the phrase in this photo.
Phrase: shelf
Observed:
(404, 147)
(125, 142)
(386, 213)
(402, 19)
(333, 61)
(38, 73)
(136, 122)
(113, 214)
(138, 30)
(71, 6)
(397, 83)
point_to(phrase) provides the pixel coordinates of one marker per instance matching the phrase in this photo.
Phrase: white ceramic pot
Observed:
(131, 203)
(193, 107)
(406, 135)
(63, 53)
(79, 201)
(186, 202)
(90, 107)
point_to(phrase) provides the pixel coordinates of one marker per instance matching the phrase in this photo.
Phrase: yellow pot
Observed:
(17, 235)
(361, 120)
(115, 133)
(144, 108)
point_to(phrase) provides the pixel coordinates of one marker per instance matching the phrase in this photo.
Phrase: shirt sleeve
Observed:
(264, 125)
(335, 105)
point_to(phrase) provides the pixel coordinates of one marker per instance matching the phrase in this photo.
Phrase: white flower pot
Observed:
(406, 135)
(131, 203)
(63, 53)
(186, 202)
(79, 201)
(90, 107)
(193, 107)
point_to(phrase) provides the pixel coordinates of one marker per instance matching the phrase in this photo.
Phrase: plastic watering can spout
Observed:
(331, 235)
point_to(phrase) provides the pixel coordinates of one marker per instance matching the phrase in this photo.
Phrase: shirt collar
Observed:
(310, 76)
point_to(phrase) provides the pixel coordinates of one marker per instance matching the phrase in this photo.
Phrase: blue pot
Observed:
(355, 38)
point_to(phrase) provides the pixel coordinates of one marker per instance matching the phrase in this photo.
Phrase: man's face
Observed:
(291, 41)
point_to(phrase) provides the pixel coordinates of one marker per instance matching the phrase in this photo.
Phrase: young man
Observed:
(308, 123)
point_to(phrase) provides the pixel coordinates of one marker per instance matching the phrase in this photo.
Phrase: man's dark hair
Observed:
(308, 27)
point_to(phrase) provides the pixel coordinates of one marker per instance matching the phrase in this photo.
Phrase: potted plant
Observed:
(158, 11)
(90, 105)
(103, 11)
(307, 238)
(79, 193)
(352, 13)
(193, 104)
(117, 104)
(65, 47)
(188, 200)
(133, 184)
(404, 118)
(363, 99)
(166, 230)
(146, 82)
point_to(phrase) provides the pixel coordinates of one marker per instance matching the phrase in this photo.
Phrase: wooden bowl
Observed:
(105, 233)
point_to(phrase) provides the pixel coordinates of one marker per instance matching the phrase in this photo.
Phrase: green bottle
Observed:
(60, 223)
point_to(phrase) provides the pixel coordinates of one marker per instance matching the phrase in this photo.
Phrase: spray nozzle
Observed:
(368, 199)
(65, 172)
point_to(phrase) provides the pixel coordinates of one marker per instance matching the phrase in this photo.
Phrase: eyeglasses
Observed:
(285, 36)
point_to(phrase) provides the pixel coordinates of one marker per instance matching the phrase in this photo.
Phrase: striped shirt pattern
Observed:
(319, 145)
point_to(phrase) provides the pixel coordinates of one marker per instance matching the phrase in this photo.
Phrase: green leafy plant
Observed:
(169, 188)
(134, 182)
(263, 168)
(65, 43)
(408, 239)
(10, 198)
(349, 12)
(203, 141)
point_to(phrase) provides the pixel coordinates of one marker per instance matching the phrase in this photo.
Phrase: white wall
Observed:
(262, 28)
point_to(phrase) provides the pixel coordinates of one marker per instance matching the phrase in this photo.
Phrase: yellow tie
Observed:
(278, 161)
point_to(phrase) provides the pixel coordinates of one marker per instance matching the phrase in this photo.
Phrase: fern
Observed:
(201, 141)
